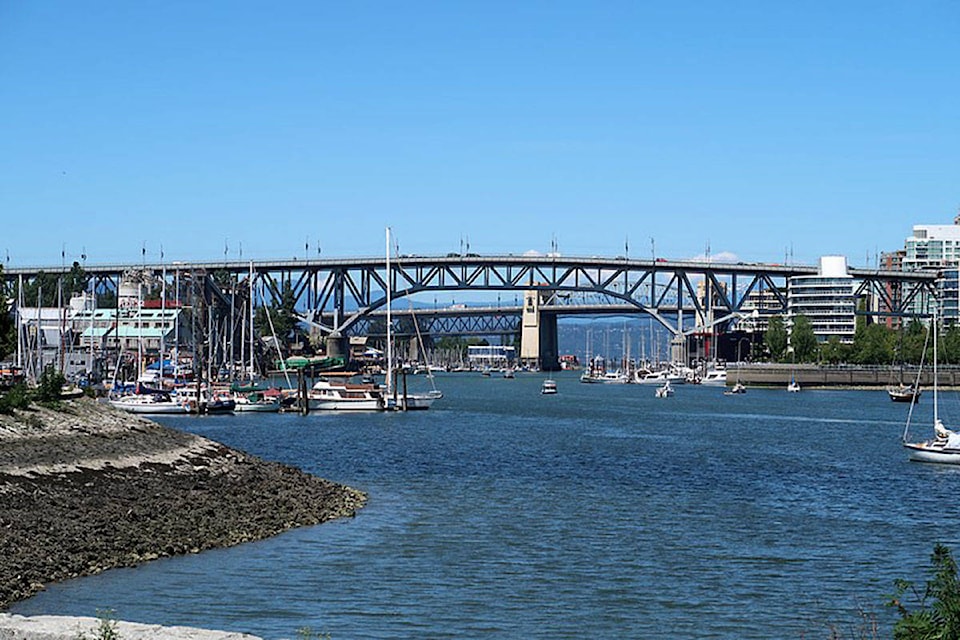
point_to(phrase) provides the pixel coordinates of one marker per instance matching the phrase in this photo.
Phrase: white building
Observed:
(492, 356)
(826, 300)
(933, 246)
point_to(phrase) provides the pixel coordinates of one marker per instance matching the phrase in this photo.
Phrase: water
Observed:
(599, 512)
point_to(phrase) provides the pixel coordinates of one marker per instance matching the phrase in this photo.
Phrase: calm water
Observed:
(600, 512)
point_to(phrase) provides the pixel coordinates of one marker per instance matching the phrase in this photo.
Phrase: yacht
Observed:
(660, 377)
(334, 395)
(715, 378)
(608, 377)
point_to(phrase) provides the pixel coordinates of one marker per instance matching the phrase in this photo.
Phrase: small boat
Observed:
(665, 391)
(548, 388)
(508, 373)
(153, 403)
(735, 390)
(904, 393)
(255, 402)
(794, 386)
(416, 401)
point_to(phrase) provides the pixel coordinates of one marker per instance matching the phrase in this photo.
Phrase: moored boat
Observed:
(944, 447)
(548, 388)
(255, 402)
(334, 395)
(152, 403)
(904, 393)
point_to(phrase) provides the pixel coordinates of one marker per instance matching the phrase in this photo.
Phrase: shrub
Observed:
(50, 385)
(936, 613)
(18, 397)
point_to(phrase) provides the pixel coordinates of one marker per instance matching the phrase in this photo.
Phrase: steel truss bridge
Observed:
(346, 296)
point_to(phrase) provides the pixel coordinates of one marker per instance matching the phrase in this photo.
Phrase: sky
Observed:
(752, 130)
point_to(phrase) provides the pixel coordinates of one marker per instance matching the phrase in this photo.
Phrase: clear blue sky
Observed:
(831, 127)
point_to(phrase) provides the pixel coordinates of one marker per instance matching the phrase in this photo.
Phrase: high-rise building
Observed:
(891, 261)
(826, 300)
(933, 246)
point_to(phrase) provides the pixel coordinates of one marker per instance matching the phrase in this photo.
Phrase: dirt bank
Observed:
(88, 488)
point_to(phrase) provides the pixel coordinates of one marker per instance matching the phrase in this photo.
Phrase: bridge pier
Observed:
(538, 338)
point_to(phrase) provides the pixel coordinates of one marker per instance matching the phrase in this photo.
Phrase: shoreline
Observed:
(88, 488)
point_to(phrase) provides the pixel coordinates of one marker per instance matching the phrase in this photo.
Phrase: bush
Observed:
(50, 385)
(937, 608)
(18, 397)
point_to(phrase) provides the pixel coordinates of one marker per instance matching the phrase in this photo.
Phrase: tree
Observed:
(803, 340)
(834, 351)
(77, 280)
(873, 345)
(282, 316)
(937, 609)
(8, 325)
(776, 338)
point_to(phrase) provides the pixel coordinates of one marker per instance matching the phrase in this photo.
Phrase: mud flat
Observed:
(86, 488)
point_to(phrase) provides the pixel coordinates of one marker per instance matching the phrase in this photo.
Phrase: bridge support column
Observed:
(549, 343)
(538, 339)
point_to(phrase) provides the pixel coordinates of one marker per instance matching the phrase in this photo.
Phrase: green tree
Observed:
(936, 612)
(42, 290)
(949, 345)
(803, 340)
(834, 351)
(282, 315)
(914, 337)
(776, 338)
(77, 280)
(8, 325)
(874, 344)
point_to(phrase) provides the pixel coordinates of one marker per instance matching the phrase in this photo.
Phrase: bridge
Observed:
(338, 296)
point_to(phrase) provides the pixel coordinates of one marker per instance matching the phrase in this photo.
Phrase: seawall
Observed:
(809, 375)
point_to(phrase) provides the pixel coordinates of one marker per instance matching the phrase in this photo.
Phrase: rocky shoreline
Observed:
(87, 488)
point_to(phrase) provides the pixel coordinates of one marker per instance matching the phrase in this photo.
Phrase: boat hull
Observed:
(316, 404)
(257, 407)
(926, 452)
(156, 408)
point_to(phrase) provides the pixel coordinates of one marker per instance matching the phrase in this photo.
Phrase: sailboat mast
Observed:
(163, 316)
(250, 280)
(934, 327)
(389, 378)
(20, 362)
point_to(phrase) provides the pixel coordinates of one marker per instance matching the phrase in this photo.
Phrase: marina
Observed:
(630, 517)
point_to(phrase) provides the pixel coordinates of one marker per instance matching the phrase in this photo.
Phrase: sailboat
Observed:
(944, 447)
(903, 392)
(405, 400)
(738, 387)
(794, 386)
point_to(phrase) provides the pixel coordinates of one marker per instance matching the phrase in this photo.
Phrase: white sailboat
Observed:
(944, 447)
(404, 400)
